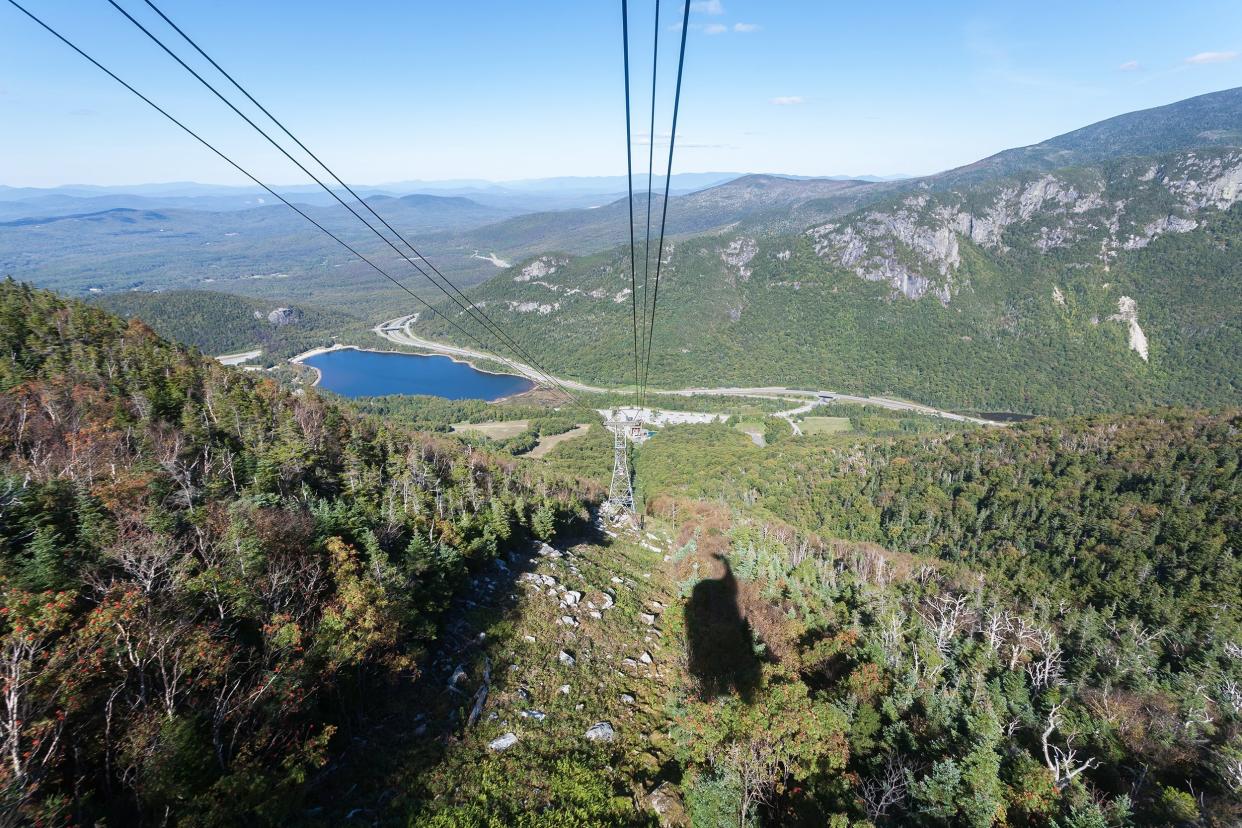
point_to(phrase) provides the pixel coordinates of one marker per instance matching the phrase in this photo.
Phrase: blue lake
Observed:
(354, 373)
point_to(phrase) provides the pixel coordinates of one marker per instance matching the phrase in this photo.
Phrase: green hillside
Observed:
(1083, 289)
(220, 323)
(203, 576)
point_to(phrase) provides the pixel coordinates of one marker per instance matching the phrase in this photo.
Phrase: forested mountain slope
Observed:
(211, 586)
(1104, 285)
(221, 323)
(1036, 625)
(243, 251)
(205, 580)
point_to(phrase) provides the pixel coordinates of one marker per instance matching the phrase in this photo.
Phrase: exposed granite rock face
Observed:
(878, 246)
(1215, 181)
(1168, 224)
(1127, 312)
(284, 316)
(738, 254)
(534, 307)
(914, 245)
(539, 268)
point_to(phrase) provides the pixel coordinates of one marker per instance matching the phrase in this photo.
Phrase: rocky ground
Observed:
(560, 666)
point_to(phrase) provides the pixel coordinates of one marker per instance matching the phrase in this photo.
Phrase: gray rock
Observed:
(284, 316)
(668, 805)
(503, 743)
(537, 715)
(600, 732)
(566, 659)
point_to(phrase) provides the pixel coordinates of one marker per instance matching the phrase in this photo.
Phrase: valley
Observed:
(565, 498)
(398, 331)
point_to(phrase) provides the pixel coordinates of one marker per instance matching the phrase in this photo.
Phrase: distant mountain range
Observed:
(1098, 269)
(526, 195)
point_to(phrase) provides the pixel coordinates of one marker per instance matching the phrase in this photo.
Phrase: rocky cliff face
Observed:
(914, 244)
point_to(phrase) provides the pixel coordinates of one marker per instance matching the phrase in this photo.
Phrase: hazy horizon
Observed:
(505, 93)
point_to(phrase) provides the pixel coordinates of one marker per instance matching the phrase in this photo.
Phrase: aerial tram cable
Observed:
(668, 176)
(255, 179)
(493, 327)
(470, 308)
(629, 178)
(655, 65)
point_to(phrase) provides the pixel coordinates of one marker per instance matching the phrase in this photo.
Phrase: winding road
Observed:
(398, 332)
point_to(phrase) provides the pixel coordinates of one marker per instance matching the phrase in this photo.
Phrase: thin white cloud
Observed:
(715, 28)
(1130, 66)
(745, 27)
(1212, 57)
(788, 100)
(644, 140)
(707, 7)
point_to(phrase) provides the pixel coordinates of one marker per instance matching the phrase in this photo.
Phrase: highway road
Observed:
(398, 332)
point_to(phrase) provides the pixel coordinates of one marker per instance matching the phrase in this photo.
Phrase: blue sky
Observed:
(389, 91)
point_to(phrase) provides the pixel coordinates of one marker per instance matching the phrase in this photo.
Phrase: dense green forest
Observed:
(223, 602)
(204, 577)
(1035, 625)
(220, 323)
(1099, 287)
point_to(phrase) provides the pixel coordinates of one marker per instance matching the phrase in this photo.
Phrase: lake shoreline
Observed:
(302, 359)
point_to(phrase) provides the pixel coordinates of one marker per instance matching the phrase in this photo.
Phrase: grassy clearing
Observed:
(493, 431)
(546, 444)
(753, 429)
(825, 425)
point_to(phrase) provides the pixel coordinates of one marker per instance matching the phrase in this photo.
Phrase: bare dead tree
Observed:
(1045, 671)
(1230, 770)
(945, 616)
(29, 734)
(760, 768)
(886, 790)
(1063, 762)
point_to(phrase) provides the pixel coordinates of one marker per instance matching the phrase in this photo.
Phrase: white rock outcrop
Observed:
(1127, 312)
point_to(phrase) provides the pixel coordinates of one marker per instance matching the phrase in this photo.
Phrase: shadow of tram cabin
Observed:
(718, 637)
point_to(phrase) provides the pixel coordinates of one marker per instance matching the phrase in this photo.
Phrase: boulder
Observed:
(668, 805)
(503, 743)
(284, 316)
(600, 732)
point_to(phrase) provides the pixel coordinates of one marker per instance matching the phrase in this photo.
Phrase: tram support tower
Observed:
(621, 490)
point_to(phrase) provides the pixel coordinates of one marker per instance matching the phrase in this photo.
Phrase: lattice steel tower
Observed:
(621, 490)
